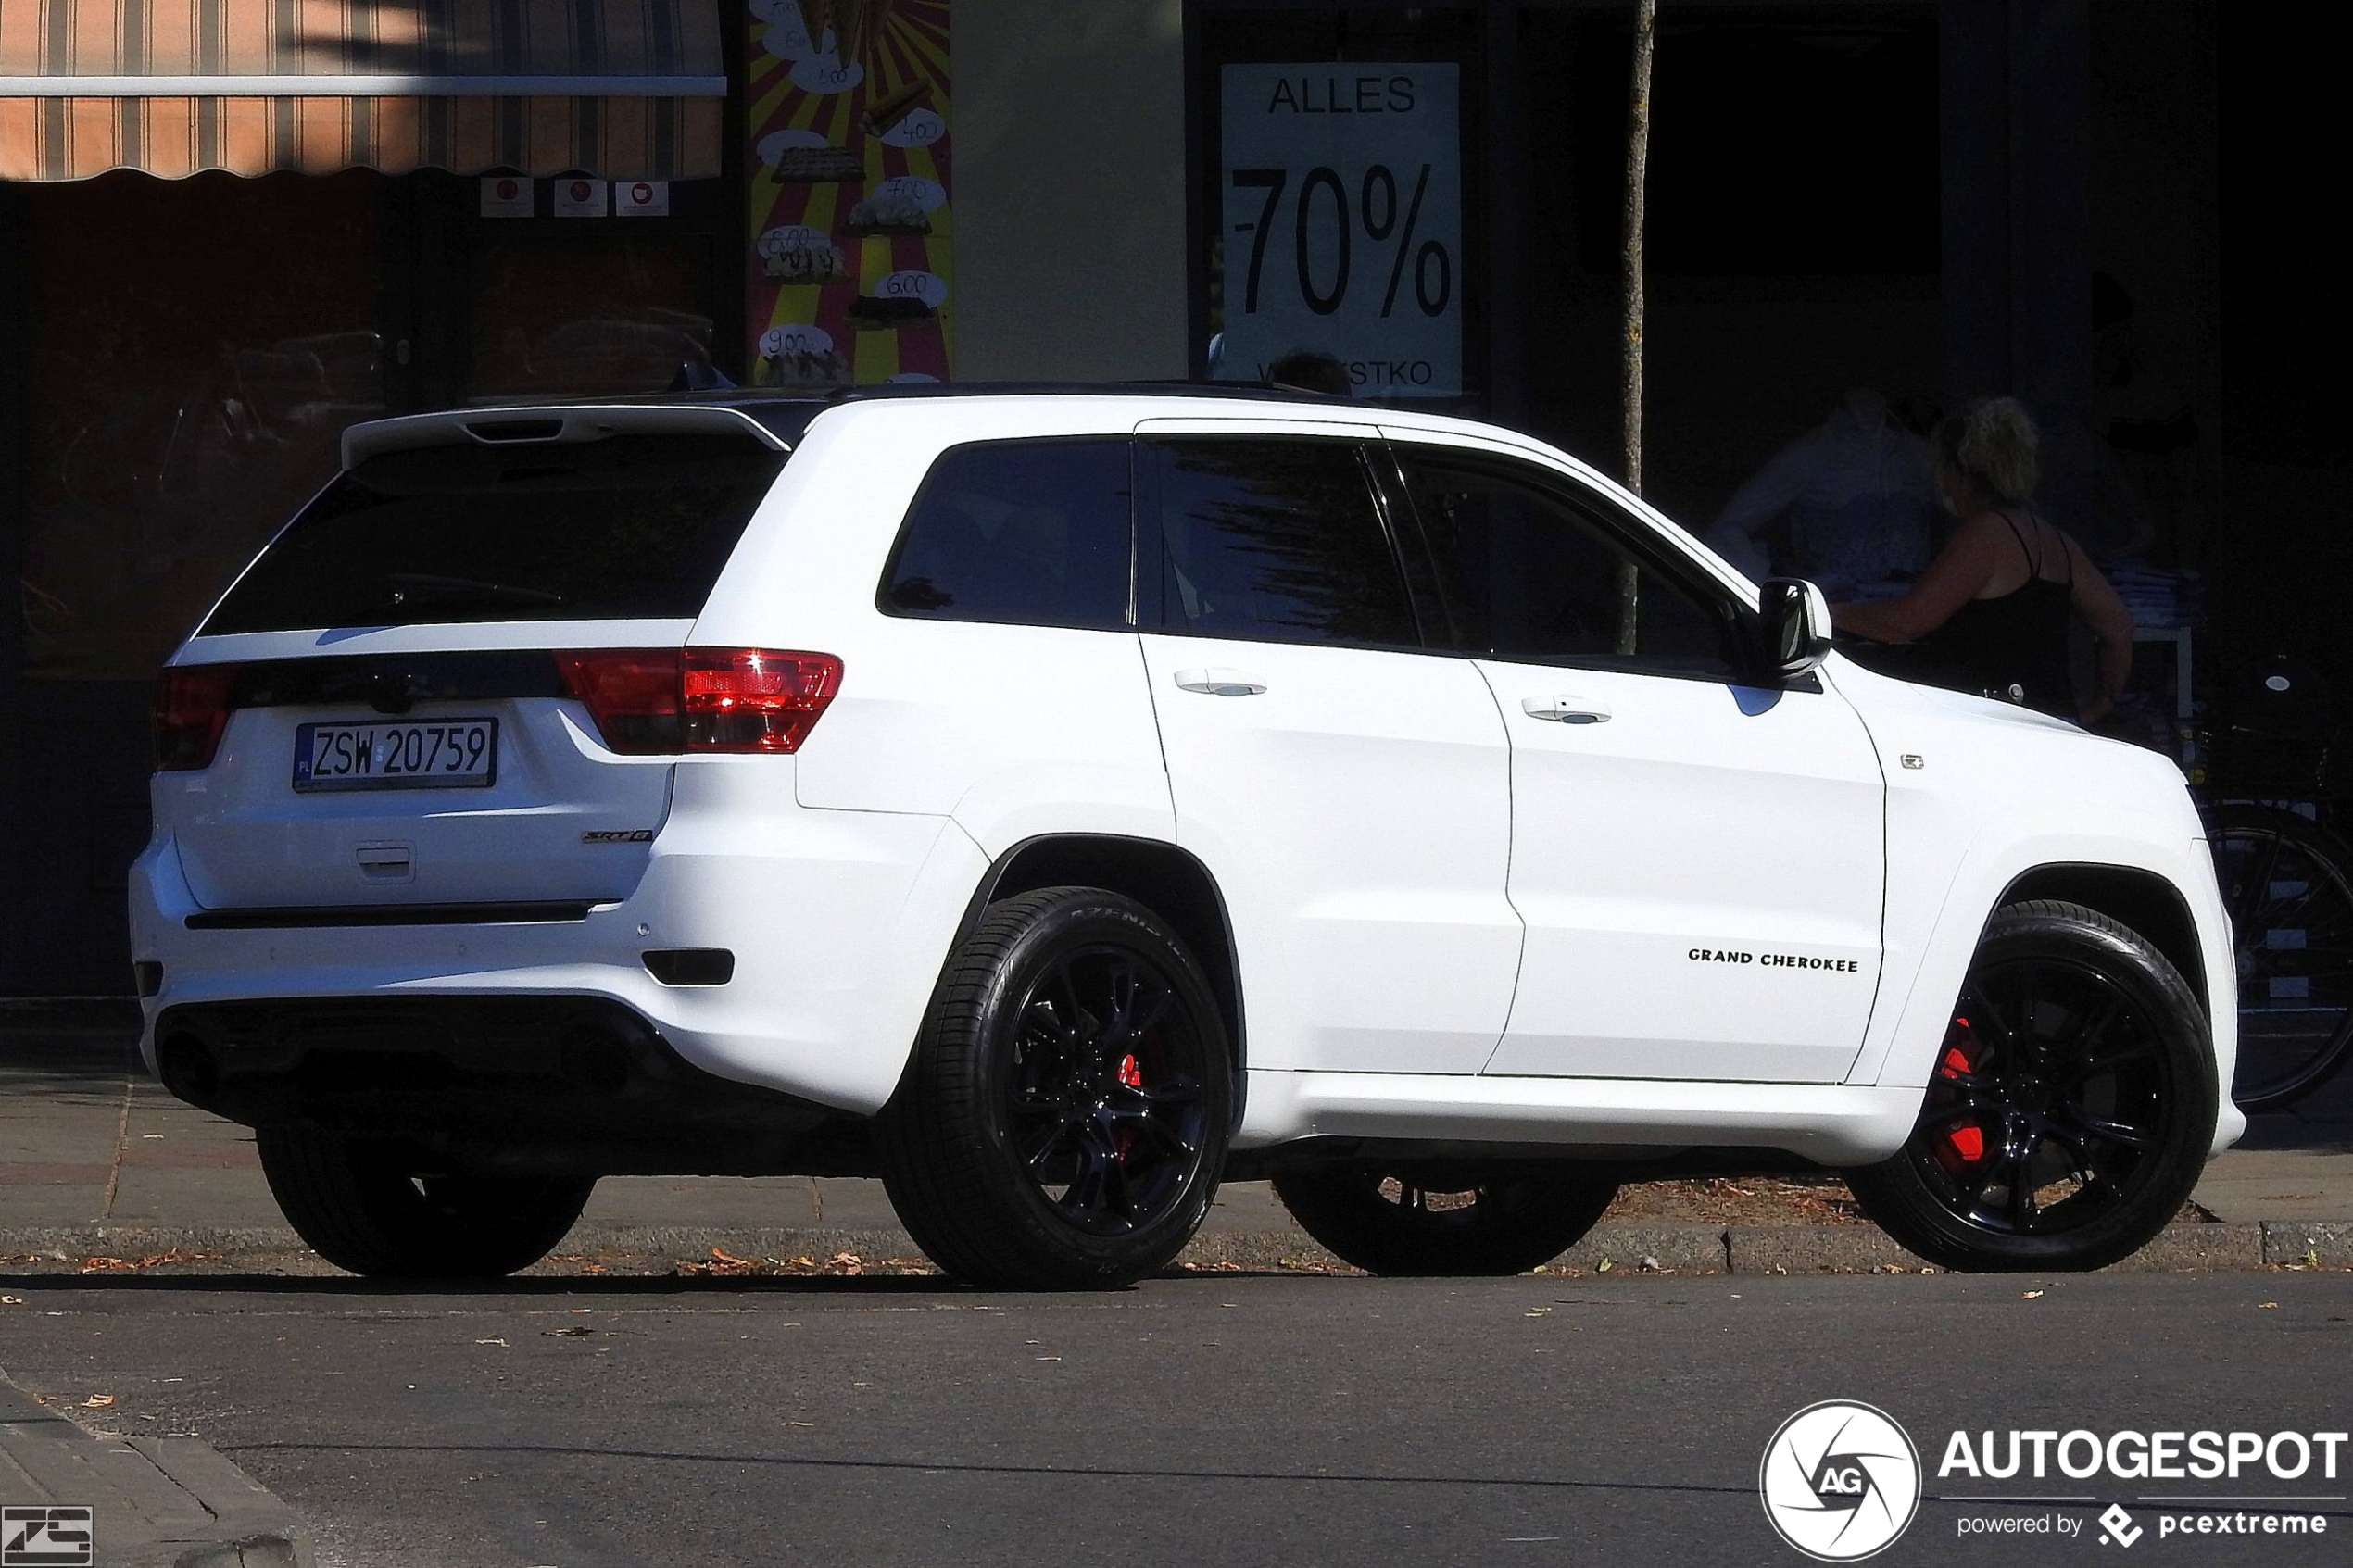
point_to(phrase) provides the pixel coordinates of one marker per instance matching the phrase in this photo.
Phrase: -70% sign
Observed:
(1323, 197)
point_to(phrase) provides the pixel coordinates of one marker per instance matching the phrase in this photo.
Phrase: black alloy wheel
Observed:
(2049, 1099)
(1477, 1218)
(2070, 1107)
(1064, 1117)
(1104, 1091)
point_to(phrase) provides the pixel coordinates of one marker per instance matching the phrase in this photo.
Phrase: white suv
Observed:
(1055, 801)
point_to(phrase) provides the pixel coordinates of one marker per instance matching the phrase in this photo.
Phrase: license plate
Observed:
(432, 754)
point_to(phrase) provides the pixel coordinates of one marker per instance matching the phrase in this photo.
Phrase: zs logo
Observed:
(46, 1538)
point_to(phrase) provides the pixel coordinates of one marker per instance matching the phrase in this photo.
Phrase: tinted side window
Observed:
(1526, 571)
(1034, 531)
(1277, 541)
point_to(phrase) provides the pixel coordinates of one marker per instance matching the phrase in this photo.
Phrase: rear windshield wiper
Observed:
(413, 587)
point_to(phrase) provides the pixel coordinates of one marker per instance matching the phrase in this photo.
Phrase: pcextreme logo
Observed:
(1841, 1481)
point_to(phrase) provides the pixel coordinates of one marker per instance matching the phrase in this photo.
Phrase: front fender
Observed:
(1904, 1054)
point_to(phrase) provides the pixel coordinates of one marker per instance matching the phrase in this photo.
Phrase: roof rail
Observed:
(1260, 391)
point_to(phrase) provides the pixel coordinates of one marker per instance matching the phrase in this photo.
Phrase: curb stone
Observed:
(2326, 1244)
(1800, 1250)
(1632, 1246)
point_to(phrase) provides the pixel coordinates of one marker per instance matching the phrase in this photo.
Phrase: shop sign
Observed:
(641, 199)
(1341, 193)
(506, 196)
(578, 196)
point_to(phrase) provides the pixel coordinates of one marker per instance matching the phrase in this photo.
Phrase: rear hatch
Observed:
(402, 693)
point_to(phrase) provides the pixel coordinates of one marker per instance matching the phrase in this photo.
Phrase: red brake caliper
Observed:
(1132, 1076)
(1962, 1145)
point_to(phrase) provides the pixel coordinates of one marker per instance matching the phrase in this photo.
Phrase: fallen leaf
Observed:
(2268, 1306)
(1604, 1266)
(97, 1401)
(2029, 1294)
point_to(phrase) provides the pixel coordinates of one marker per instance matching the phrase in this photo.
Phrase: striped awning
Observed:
(621, 89)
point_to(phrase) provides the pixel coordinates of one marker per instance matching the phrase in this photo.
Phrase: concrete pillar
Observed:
(1070, 190)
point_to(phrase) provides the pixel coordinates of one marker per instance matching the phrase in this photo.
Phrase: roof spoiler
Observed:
(547, 426)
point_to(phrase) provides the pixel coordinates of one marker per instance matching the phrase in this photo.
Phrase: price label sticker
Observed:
(787, 238)
(1342, 219)
(825, 73)
(795, 338)
(913, 189)
(928, 287)
(921, 128)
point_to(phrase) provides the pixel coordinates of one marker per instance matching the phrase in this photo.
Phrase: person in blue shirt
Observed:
(1848, 504)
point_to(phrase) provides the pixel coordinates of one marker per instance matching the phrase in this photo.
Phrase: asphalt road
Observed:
(1194, 1420)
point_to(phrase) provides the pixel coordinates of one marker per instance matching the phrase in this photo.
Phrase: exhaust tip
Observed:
(187, 1068)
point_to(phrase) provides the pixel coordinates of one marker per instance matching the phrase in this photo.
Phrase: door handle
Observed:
(1566, 709)
(1220, 681)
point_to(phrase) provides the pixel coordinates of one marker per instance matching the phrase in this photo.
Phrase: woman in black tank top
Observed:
(1991, 613)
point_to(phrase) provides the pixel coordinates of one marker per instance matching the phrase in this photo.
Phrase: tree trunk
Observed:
(1637, 149)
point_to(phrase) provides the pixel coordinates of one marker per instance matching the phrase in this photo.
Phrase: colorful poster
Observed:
(850, 126)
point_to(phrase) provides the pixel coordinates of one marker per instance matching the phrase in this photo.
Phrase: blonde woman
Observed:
(1992, 611)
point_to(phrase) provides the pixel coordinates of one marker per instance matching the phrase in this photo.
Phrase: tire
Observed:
(1053, 1132)
(361, 1207)
(1506, 1218)
(2288, 885)
(2070, 1110)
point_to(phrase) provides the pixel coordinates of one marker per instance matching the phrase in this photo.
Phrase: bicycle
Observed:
(2287, 881)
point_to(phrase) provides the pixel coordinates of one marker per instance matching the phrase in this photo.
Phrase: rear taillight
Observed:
(651, 702)
(190, 709)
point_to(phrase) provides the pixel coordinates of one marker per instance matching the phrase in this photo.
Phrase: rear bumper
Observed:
(495, 1084)
(838, 921)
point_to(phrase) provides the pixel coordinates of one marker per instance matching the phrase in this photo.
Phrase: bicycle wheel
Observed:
(2288, 885)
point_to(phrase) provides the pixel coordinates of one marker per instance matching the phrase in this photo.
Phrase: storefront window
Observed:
(195, 350)
(587, 316)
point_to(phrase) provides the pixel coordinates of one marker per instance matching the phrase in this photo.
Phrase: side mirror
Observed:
(1793, 622)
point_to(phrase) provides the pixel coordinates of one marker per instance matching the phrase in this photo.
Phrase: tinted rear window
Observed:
(1031, 532)
(627, 528)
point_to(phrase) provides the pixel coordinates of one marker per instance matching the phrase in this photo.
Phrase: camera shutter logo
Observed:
(48, 1536)
(1841, 1481)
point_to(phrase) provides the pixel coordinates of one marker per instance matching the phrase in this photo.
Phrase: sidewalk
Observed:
(96, 1160)
(145, 1502)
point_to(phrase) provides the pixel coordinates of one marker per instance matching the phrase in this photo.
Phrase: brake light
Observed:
(631, 694)
(191, 710)
(654, 702)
